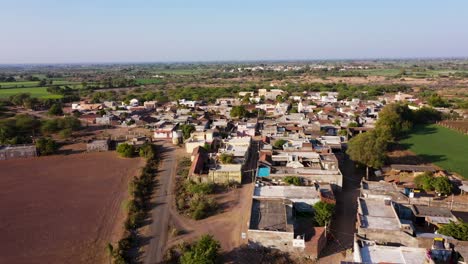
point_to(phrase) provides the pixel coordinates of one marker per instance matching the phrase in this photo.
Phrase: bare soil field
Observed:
(63, 208)
(458, 125)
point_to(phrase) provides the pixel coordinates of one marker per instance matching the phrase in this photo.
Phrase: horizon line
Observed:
(236, 61)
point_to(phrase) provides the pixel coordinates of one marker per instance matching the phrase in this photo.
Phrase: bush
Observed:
(55, 109)
(293, 180)
(199, 188)
(46, 146)
(424, 181)
(442, 185)
(428, 182)
(323, 213)
(147, 151)
(201, 206)
(226, 158)
(125, 150)
(205, 250)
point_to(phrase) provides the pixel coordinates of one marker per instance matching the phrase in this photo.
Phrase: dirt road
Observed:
(343, 224)
(158, 230)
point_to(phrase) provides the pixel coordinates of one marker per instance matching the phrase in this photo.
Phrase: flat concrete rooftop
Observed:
(384, 254)
(289, 192)
(376, 207)
(271, 215)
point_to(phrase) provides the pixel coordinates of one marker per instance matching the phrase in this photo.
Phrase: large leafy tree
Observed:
(368, 149)
(394, 120)
(204, 251)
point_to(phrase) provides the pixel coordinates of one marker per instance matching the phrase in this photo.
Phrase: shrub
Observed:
(55, 109)
(205, 250)
(428, 182)
(442, 185)
(126, 150)
(424, 181)
(226, 158)
(199, 188)
(293, 180)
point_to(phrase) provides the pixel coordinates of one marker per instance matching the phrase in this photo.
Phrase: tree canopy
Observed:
(323, 212)
(203, 251)
(456, 230)
(126, 150)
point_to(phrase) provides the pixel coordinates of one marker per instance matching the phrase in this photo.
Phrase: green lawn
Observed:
(39, 92)
(441, 146)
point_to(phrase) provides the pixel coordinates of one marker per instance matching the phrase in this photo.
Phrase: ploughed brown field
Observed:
(63, 209)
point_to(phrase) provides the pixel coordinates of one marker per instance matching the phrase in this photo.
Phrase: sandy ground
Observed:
(226, 227)
(63, 208)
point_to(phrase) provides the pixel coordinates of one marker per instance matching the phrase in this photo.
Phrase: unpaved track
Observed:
(158, 230)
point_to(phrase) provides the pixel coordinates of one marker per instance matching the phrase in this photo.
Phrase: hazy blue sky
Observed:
(48, 31)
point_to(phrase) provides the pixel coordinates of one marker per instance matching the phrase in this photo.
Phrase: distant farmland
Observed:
(441, 146)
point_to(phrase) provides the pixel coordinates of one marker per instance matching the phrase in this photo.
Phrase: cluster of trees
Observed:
(20, 129)
(428, 182)
(4, 78)
(64, 126)
(193, 199)
(395, 120)
(140, 189)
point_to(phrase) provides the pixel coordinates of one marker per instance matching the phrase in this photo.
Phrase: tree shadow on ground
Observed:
(255, 254)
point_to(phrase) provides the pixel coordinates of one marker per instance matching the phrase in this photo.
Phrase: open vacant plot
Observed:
(63, 209)
(441, 146)
(39, 92)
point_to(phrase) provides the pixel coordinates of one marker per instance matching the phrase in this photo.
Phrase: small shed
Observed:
(98, 145)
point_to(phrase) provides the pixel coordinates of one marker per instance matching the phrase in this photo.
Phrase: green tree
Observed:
(424, 181)
(239, 111)
(394, 120)
(368, 149)
(46, 146)
(126, 150)
(323, 212)
(204, 251)
(456, 230)
(55, 109)
(442, 185)
(187, 130)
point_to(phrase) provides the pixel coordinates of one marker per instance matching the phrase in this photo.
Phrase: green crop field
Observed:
(149, 81)
(39, 92)
(441, 146)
